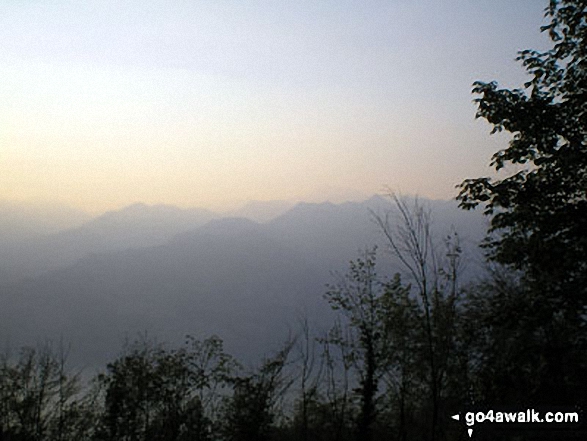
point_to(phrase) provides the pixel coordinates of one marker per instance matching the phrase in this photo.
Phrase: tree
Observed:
(132, 403)
(358, 296)
(306, 408)
(403, 328)
(161, 394)
(210, 371)
(431, 303)
(250, 413)
(540, 212)
(39, 400)
(338, 357)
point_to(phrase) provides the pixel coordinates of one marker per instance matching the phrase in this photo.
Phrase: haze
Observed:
(213, 103)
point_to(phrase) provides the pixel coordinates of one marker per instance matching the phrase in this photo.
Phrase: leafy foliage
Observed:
(250, 414)
(540, 212)
(531, 316)
(358, 295)
(39, 400)
(158, 394)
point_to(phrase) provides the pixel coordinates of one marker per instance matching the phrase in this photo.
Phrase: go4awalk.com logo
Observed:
(520, 419)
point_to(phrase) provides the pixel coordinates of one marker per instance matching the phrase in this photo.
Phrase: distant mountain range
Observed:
(169, 272)
(262, 211)
(136, 226)
(21, 220)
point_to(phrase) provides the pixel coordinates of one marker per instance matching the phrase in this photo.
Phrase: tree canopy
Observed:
(539, 213)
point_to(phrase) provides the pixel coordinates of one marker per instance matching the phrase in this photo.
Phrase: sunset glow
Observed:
(212, 103)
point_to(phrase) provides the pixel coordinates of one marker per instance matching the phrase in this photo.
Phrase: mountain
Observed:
(263, 211)
(335, 233)
(245, 281)
(135, 226)
(25, 220)
(230, 278)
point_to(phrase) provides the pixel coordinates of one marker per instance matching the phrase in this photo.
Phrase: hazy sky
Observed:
(210, 103)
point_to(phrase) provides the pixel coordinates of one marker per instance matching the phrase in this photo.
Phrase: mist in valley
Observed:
(293, 221)
(168, 272)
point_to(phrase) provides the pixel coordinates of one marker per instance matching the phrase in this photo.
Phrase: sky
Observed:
(214, 103)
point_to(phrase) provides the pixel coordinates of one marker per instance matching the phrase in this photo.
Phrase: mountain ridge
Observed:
(245, 281)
